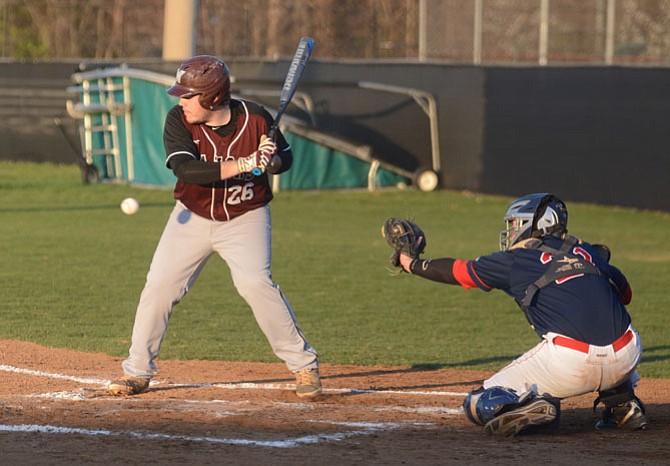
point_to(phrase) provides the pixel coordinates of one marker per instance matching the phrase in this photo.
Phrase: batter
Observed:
(574, 299)
(213, 143)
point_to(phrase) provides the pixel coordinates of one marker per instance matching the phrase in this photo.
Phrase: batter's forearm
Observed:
(196, 171)
(228, 169)
(199, 172)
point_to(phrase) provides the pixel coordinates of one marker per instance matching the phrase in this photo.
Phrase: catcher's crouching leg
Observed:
(622, 408)
(502, 412)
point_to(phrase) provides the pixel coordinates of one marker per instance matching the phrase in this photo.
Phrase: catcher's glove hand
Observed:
(405, 237)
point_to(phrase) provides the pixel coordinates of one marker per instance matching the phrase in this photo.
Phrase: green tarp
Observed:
(314, 166)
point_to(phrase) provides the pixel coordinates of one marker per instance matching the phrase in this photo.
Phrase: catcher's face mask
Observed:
(516, 229)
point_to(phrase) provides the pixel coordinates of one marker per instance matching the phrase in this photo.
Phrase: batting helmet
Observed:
(206, 76)
(533, 216)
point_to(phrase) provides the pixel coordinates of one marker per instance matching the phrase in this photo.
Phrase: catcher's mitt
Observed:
(404, 236)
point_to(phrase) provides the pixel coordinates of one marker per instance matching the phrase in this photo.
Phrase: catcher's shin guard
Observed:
(502, 412)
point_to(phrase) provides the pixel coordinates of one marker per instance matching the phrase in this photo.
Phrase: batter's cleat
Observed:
(126, 386)
(628, 415)
(307, 383)
(538, 412)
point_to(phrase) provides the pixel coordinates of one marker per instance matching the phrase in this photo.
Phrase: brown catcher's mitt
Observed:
(405, 237)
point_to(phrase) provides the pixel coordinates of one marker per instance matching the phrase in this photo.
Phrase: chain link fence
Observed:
(616, 32)
(548, 31)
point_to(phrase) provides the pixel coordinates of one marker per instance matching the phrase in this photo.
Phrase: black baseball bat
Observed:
(295, 70)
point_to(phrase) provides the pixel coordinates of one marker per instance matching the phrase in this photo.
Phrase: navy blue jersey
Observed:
(589, 308)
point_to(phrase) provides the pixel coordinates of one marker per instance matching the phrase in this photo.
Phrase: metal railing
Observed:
(101, 99)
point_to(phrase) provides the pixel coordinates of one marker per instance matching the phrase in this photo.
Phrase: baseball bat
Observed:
(295, 70)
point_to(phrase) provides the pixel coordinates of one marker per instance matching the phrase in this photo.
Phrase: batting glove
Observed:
(267, 145)
(258, 159)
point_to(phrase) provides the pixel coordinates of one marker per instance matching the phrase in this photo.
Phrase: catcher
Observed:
(573, 298)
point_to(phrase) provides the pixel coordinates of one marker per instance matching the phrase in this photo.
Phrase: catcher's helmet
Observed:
(206, 76)
(533, 216)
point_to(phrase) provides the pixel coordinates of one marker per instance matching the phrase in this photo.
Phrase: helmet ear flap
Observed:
(550, 218)
(214, 101)
(206, 102)
(546, 222)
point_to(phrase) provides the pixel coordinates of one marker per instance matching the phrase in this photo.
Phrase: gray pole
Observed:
(609, 32)
(477, 39)
(544, 32)
(179, 29)
(423, 33)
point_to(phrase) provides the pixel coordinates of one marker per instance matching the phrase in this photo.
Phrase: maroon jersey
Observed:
(229, 198)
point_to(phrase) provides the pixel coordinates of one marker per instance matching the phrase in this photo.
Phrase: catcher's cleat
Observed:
(536, 413)
(127, 385)
(628, 415)
(307, 383)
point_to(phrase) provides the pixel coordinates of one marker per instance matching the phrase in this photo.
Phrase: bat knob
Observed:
(257, 171)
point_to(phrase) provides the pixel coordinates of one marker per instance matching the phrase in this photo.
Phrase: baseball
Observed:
(130, 206)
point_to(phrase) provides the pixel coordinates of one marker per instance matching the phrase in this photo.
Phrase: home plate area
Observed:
(54, 409)
(263, 412)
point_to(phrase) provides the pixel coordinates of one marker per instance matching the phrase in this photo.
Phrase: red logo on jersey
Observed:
(579, 251)
(545, 258)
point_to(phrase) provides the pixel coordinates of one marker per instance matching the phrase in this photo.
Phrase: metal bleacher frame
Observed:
(426, 179)
(103, 83)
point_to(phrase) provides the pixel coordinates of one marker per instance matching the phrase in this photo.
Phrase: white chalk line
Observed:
(52, 375)
(233, 386)
(81, 396)
(421, 410)
(361, 429)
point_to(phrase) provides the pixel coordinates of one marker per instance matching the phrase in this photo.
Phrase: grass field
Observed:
(74, 265)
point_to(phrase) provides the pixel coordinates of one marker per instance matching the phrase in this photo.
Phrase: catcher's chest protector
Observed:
(564, 263)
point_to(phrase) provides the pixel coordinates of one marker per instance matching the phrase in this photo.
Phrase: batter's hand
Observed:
(258, 159)
(267, 145)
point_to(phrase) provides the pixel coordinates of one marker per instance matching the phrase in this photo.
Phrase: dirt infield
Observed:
(54, 410)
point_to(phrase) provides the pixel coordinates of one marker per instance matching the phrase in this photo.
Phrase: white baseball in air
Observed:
(130, 206)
